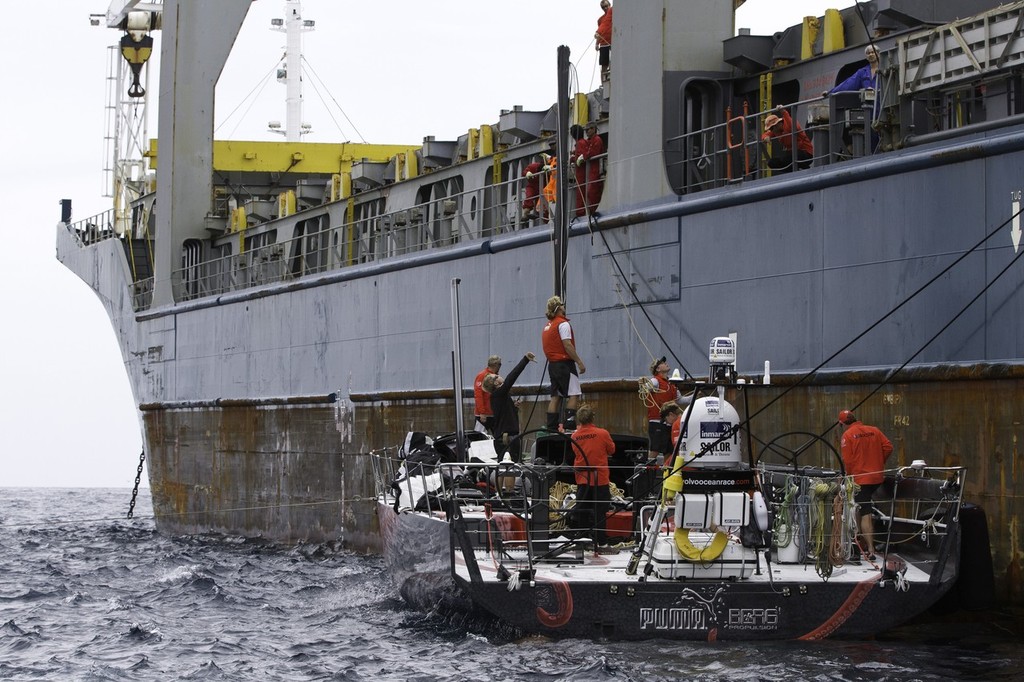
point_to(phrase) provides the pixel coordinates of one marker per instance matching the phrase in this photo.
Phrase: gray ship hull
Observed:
(272, 394)
(260, 402)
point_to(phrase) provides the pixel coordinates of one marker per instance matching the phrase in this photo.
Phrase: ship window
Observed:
(258, 241)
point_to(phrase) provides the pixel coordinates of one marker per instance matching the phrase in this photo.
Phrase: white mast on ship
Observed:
(293, 26)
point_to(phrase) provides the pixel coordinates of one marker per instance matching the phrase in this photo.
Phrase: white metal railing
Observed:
(436, 224)
(95, 229)
(733, 151)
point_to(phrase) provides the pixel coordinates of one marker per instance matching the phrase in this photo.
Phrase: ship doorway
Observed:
(693, 154)
(309, 248)
(497, 197)
(191, 269)
(362, 240)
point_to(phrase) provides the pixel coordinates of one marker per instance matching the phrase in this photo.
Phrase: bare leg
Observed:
(867, 531)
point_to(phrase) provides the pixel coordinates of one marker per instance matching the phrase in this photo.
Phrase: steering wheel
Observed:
(801, 449)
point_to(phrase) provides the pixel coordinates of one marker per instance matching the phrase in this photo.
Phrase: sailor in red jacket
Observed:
(587, 166)
(531, 190)
(603, 39)
(778, 127)
(481, 399)
(864, 451)
(660, 392)
(593, 446)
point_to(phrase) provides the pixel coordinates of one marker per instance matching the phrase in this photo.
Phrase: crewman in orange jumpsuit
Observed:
(551, 189)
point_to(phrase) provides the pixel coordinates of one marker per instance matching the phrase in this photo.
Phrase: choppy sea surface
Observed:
(86, 594)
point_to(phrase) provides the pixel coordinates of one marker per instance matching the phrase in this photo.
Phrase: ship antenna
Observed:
(293, 26)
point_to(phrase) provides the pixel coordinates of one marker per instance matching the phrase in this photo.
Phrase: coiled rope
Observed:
(783, 531)
(824, 542)
(646, 392)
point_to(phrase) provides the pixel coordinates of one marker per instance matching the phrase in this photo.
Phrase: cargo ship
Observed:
(281, 307)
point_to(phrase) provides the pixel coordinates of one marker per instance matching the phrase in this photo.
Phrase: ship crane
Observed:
(120, 9)
(126, 134)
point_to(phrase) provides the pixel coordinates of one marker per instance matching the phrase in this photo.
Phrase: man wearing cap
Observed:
(560, 349)
(593, 446)
(660, 392)
(778, 126)
(864, 451)
(505, 425)
(482, 400)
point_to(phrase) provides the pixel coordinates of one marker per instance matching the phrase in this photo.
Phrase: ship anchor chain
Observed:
(135, 490)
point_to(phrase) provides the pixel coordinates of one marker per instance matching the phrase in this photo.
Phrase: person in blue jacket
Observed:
(864, 78)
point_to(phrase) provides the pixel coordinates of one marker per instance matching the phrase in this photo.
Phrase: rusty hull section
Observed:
(289, 472)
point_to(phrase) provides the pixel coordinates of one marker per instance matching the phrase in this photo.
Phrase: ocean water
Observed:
(86, 594)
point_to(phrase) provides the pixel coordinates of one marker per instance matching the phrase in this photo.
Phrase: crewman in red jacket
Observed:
(603, 39)
(593, 446)
(587, 164)
(864, 451)
(481, 399)
(531, 191)
(778, 126)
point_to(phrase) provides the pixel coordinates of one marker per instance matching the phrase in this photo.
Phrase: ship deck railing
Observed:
(94, 229)
(317, 241)
(733, 152)
(318, 246)
(913, 509)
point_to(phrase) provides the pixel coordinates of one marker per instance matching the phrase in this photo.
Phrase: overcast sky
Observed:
(398, 69)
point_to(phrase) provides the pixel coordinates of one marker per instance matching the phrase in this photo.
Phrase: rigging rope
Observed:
(887, 315)
(839, 545)
(825, 542)
(782, 525)
(317, 76)
(622, 276)
(260, 85)
(646, 392)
